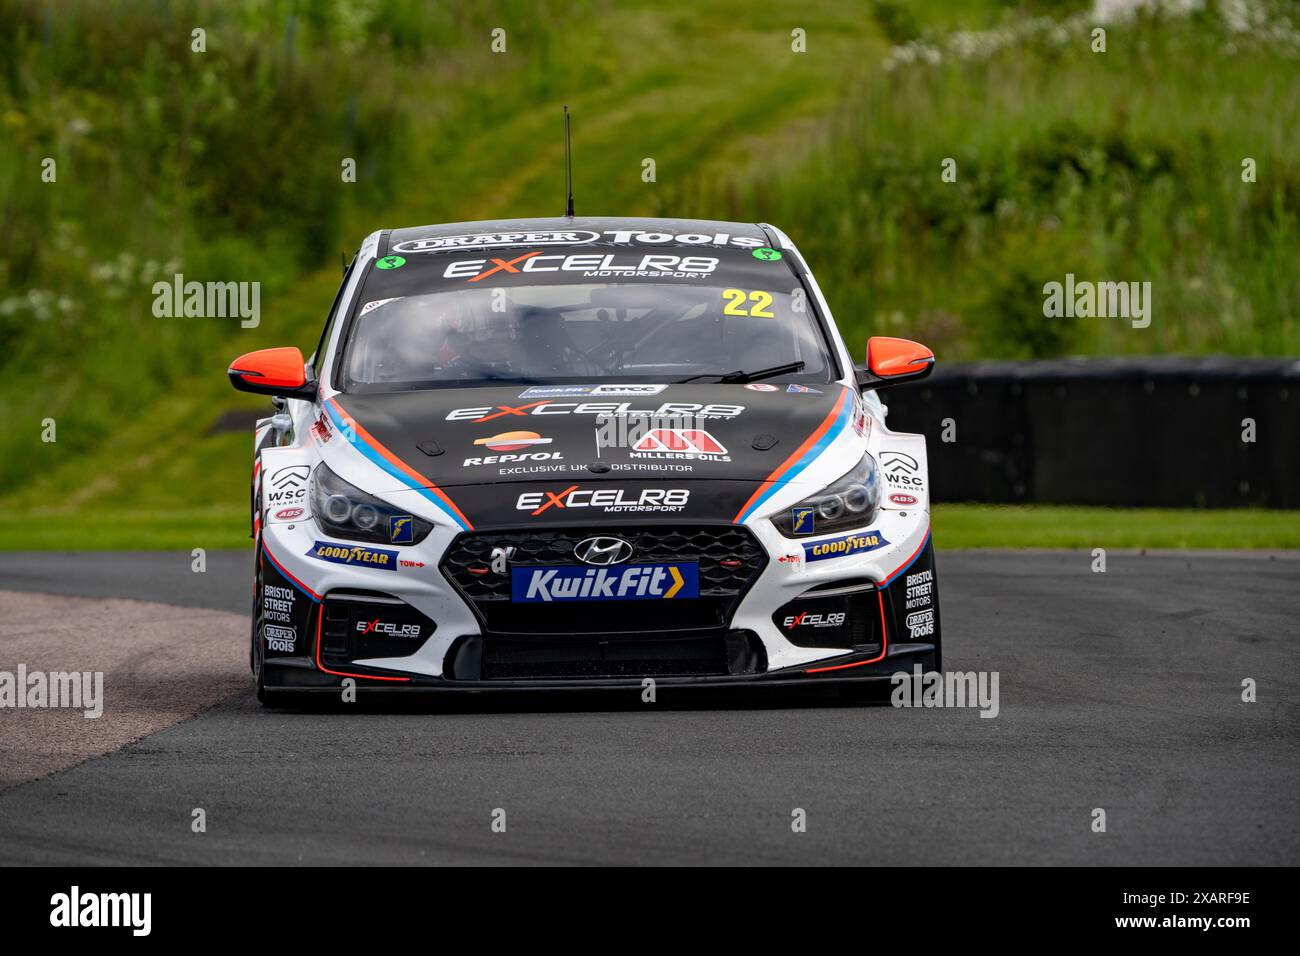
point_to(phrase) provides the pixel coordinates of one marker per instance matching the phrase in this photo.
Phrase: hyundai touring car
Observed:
(583, 452)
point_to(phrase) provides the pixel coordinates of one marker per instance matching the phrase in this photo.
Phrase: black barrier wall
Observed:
(1150, 432)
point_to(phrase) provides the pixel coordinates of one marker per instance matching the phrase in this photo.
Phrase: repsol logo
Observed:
(512, 459)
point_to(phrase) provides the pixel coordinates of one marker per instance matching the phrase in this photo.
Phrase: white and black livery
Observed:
(583, 452)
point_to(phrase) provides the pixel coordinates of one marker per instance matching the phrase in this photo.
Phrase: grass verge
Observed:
(1048, 526)
(955, 526)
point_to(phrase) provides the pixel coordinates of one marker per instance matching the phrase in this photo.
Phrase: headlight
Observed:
(345, 511)
(850, 502)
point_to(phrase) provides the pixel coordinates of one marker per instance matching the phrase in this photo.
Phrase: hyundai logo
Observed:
(602, 551)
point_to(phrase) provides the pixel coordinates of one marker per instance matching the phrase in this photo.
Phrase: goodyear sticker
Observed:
(354, 554)
(844, 545)
(801, 520)
(401, 529)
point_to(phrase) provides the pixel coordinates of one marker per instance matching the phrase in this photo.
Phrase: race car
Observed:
(584, 453)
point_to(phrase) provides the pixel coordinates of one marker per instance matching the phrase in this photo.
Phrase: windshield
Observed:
(568, 316)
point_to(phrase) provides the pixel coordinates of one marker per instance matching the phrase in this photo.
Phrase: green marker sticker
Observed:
(396, 262)
(766, 254)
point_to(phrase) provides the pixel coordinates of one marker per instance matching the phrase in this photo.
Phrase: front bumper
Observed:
(450, 630)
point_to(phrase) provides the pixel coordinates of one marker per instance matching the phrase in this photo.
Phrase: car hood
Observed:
(467, 442)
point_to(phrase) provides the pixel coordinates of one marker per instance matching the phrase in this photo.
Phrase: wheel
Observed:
(264, 696)
(272, 698)
(257, 649)
(268, 698)
(252, 634)
(254, 616)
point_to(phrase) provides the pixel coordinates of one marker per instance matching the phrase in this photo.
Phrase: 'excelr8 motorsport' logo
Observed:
(481, 414)
(591, 265)
(608, 500)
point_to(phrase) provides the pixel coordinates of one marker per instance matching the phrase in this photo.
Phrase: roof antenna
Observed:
(568, 164)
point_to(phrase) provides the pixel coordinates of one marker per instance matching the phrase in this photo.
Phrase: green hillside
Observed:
(225, 165)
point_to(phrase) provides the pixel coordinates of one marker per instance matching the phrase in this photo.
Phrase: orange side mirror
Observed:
(894, 361)
(271, 372)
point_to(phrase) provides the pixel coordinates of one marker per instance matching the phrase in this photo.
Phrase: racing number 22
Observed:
(736, 303)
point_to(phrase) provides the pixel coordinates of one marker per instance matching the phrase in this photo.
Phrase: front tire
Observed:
(257, 650)
(267, 697)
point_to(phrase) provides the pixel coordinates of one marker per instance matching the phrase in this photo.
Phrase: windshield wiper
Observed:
(738, 377)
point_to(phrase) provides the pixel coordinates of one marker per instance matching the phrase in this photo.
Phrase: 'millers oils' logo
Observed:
(354, 554)
(844, 545)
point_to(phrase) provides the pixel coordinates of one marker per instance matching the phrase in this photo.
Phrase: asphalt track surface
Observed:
(1119, 691)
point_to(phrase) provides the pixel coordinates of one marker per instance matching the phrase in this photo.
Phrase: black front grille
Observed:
(729, 558)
